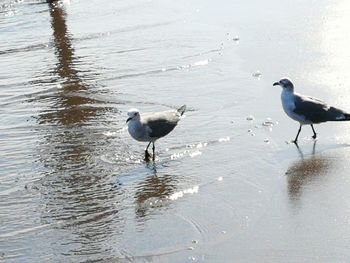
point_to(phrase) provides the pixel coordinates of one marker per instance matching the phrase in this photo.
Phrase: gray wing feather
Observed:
(161, 123)
(316, 110)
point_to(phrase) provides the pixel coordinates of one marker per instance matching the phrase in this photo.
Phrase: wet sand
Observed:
(226, 186)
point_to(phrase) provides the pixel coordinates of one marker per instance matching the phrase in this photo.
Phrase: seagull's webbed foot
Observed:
(314, 136)
(147, 156)
(294, 141)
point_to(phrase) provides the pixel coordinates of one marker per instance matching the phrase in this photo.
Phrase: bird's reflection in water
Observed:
(153, 192)
(305, 172)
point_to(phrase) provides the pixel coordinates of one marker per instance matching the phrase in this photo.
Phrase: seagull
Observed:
(149, 127)
(307, 110)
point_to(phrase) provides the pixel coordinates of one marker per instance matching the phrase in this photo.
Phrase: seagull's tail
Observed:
(347, 117)
(338, 115)
(181, 110)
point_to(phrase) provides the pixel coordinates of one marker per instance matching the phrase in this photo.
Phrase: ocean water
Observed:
(226, 186)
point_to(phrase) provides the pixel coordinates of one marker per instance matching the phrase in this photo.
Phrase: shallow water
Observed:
(225, 185)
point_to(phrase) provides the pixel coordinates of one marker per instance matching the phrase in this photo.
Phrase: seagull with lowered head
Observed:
(149, 127)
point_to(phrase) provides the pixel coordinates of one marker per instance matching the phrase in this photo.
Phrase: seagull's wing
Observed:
(161, 123)
(316, 110)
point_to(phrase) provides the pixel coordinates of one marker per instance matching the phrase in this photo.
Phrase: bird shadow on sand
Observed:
(310, 170)
(303, 172)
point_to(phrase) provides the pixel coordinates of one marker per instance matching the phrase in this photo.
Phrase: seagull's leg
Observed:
(153, 148)
(296, 138)
(315, 135)
(146, 152)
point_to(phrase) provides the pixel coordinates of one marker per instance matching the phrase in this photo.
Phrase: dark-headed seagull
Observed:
(307, 110)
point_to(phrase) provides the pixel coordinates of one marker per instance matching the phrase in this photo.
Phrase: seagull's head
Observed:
(133, 114)
(285, 84)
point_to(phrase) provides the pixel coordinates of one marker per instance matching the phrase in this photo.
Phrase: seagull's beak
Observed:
(276, 84)
(128, 119)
